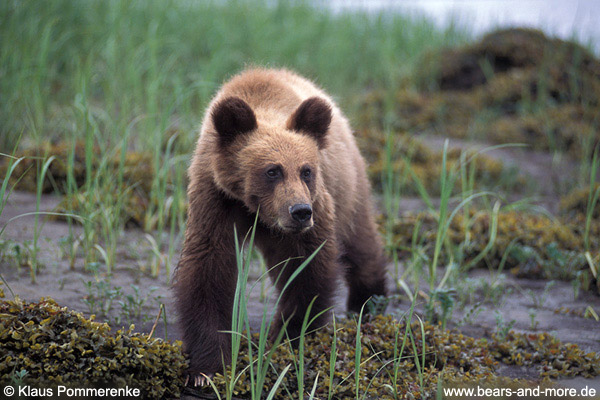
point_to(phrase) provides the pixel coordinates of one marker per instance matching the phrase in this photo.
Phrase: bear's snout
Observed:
(301, 212)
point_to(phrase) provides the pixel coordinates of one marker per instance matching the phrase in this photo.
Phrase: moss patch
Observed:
(58, 346)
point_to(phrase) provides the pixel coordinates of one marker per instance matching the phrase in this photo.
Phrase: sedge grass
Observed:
(5, 191)
(448, 208)
(358, 352)
(257, 367)
(593, 196)
(446, 186)
(332, 359)
(392, 186)
(299, 364)
(398, 353)
(36, 232)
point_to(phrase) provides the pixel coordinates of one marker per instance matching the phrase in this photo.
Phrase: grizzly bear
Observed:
(273, 143)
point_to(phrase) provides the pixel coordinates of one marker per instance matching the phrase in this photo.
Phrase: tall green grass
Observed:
(5, 191)
(259, 355)
(124, 75)
(593, 196)
(155, 64)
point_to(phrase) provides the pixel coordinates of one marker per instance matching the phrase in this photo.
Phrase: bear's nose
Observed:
(301, 212)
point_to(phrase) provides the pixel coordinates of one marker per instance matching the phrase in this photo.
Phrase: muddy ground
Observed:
(497, 300)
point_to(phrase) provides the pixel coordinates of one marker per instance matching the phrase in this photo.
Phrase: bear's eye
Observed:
(273, 173)
(306, 174)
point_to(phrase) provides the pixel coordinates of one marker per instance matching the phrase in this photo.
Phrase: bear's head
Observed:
(272, 165)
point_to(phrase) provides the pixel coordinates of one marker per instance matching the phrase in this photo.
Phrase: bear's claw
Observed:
(199, 380)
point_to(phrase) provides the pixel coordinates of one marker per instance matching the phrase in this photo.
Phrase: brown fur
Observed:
(262, 132)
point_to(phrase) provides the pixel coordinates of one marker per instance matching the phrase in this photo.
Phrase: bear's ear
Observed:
(231, 117)
(312, 117)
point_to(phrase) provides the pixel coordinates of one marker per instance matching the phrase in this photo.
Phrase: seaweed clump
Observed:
(57, 346)
(506, 50)
(406, 361)
(136, 167)
(121, 181)
(412, 160)
(576, 203)
(512, 86)
(530, 245)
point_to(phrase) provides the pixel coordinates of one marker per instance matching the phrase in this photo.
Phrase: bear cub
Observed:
(273, 143)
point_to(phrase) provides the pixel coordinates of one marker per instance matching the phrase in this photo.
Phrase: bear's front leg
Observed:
(205, 280)
(316, 281)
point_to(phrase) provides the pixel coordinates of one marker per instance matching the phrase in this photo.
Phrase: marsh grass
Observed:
(5, 191)
(5, 188)
(152, 62)
(393, 182)
(36, 232)
(121, 76)
(444, 260)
